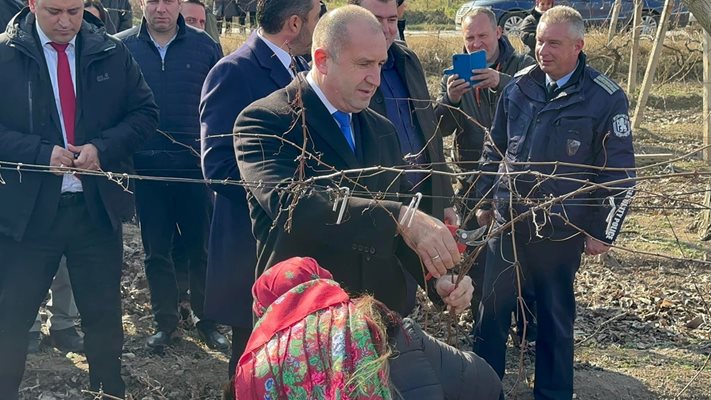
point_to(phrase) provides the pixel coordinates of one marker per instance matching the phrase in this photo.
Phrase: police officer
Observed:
(559, 110)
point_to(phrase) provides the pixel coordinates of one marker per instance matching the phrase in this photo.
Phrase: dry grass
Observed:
(231, 42)
(681, 57)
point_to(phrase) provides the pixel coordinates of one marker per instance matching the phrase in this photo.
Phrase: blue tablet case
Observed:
(463, 64)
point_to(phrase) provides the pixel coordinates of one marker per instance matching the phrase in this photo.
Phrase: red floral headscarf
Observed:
(310, 341)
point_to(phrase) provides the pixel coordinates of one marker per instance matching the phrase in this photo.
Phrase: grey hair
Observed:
(565, 15)
(479, 11)
(331, 32)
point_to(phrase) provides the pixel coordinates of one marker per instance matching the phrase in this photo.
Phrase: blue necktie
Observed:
(344, 122)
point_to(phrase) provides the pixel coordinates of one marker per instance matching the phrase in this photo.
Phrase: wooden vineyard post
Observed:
(705, 227)
(613, 21)
(707, 97)
(634, 54)
(652, 65)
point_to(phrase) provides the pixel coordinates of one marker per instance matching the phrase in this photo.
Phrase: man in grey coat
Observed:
(467, 110)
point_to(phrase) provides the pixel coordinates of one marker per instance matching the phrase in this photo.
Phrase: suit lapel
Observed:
(269, 61)
(367, 147)
(322, 125)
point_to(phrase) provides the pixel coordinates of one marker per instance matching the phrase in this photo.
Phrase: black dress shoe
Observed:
(33, 346)
(161, 339)
(213, 338)
(67, 340)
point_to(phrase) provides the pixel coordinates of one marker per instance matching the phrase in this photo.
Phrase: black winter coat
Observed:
(115, 113)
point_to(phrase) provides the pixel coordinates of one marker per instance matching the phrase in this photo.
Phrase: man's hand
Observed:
(488, 78)
(457, 297)
(484, 217)
(431, 240)
(88, 157)
(451, 217)
(594, 247)
(456, 88)
(60, 159)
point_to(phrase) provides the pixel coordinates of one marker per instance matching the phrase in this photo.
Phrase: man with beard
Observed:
(266, 62)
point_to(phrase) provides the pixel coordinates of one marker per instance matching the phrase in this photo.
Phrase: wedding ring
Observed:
(435, 257)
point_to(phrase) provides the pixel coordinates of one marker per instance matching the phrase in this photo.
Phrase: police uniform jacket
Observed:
(584, 127)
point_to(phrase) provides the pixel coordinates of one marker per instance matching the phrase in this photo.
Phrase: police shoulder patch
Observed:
(621, 125)
(607, 84)
(525, 70)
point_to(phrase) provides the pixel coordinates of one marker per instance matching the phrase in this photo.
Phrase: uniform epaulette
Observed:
(524, 71)
(607, 84)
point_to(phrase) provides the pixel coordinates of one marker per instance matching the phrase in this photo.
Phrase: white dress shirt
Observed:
(283, 55)
(70, 183)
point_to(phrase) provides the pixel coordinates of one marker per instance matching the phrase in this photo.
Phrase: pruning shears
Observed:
(465, 238)
(468, 238)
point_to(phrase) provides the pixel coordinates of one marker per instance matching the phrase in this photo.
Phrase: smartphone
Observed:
(463, 64)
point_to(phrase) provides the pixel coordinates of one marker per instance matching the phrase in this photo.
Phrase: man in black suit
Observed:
(316, 126)
(54, 115)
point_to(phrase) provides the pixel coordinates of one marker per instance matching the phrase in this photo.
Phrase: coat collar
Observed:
(533, 86)
(267, 60)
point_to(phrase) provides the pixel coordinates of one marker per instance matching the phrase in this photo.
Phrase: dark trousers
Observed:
(181, 262)
(94, 258)
(551, 266)
(161, 207)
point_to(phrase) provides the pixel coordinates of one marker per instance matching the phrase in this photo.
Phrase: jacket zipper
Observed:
(30, 105)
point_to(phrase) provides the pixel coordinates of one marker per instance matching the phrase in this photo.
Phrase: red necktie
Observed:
(66, 90)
